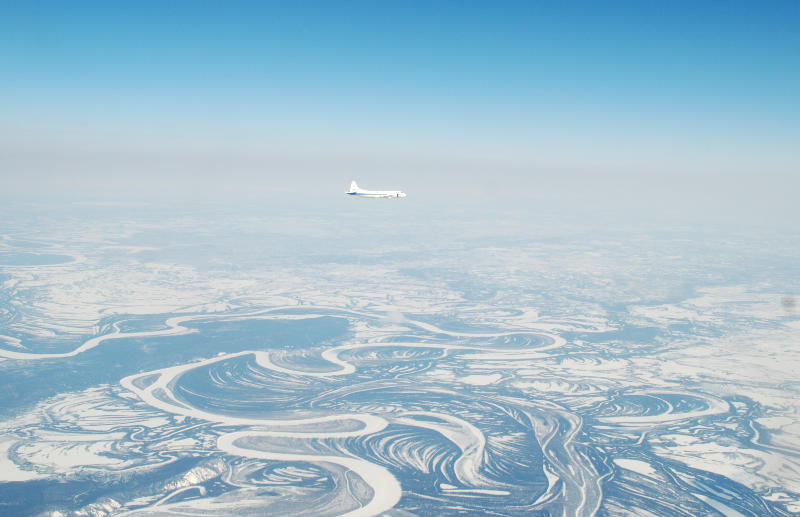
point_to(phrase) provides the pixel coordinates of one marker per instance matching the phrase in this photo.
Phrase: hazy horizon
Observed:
(461, 98)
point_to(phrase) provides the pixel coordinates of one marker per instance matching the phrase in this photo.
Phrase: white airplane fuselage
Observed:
(360, 192)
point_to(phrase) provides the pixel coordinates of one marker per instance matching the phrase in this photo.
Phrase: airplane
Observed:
(360, 192)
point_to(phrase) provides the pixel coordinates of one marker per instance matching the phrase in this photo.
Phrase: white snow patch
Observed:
(638, 466)
(482, 380)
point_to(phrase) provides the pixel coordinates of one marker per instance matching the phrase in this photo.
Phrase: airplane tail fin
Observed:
(353, 186)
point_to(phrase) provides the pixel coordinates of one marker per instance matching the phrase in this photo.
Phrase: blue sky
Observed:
(114, 93)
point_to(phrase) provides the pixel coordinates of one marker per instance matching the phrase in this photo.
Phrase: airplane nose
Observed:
(402, 194)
